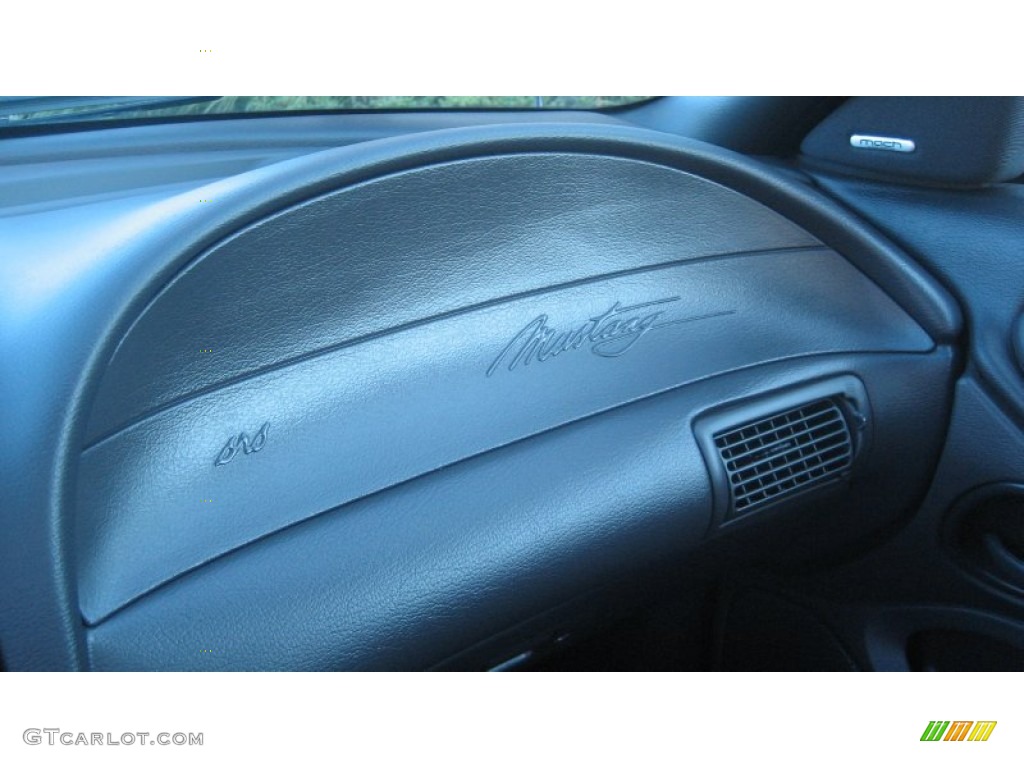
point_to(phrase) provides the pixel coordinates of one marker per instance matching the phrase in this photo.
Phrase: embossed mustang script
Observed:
(609, 334)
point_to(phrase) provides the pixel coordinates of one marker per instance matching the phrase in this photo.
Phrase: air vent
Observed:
(776, 456)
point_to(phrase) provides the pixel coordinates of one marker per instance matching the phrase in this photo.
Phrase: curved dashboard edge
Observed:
(98, 298)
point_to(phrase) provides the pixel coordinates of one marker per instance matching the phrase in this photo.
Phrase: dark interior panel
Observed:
(377, 407)
(570, 352)
(943, 141)
(460, 555)
(971, 241)
(415, 246)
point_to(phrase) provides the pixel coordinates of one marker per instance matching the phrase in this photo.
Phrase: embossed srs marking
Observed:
(241, 444)
(610, 334)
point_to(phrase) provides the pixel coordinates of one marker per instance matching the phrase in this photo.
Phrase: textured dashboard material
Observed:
(402, 325)
(414, 246)
(183, 486)
(404, 578)
(346, 345)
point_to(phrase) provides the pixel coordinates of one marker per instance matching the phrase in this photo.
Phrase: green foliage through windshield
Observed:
(77, 109)
(274, 103)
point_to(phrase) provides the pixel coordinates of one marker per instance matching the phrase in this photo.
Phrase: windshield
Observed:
(68, 109)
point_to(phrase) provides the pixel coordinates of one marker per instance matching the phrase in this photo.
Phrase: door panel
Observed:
(972, 241)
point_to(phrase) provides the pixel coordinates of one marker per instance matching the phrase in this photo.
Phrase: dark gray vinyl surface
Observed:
(369, 415)
(355, 301)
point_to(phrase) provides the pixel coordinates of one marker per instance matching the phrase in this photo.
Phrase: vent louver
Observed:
(778, 455)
